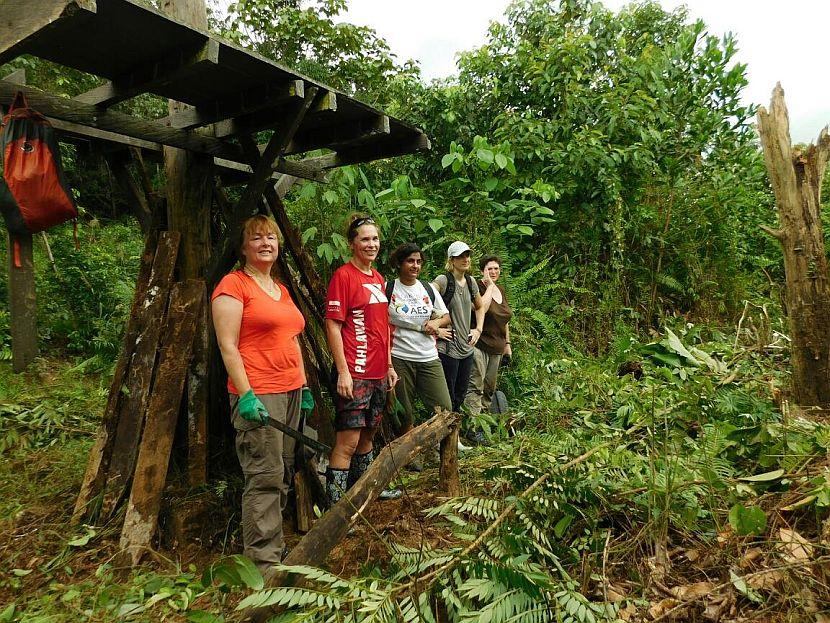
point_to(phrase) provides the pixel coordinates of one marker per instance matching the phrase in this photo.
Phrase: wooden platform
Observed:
(233, 91)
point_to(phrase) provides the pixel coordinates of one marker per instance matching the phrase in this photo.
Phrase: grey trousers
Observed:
(424, 380)
(267, 460)
(483, 379)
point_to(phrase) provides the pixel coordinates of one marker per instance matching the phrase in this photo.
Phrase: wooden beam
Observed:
(234, 105)
(18, 76)
(154, 75)
(315, 546)
(22, 301)
(368, 153)
(150, 131)
(141, 518)
(262, 164)
(23, 21)
(352, 134)
(270, 118)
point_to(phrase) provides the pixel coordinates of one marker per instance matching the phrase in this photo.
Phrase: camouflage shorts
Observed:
(365, 408)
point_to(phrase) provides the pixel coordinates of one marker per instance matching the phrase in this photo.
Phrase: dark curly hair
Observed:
(402, 252)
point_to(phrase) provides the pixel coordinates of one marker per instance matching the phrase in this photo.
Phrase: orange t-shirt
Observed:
(267, 337)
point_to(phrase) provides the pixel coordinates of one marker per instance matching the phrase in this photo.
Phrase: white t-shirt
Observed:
(409, 310)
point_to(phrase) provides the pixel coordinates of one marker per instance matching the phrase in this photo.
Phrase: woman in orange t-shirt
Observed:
(257, 325)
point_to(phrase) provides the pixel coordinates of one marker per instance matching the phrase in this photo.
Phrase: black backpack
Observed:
(390, 287)
(449, 291)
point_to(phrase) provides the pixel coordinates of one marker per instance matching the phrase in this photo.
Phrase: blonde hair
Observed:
(259, 224)
(448, 265)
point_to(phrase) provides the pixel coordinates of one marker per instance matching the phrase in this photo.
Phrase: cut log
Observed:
(141, 519)
(140, 376)
(22, 301)
(448, 480)
(796, 178)
(315, 546)
(101, 452)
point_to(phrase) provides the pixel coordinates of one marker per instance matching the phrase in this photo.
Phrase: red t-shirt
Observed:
(359, 302)
(267, 336)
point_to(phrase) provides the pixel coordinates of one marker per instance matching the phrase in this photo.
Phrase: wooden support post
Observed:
(22, 301)
(136, 198)
(796, 178)
(315, 546)
(101, 453)
(189, 199)
(141, 519)
(448, 480)
(139, 379)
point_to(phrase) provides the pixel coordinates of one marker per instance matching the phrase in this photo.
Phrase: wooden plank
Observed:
(23, 21)
(141, 519)
(236, 104)
(351, 135)
(305, 510)
(315, 546)
(271, 117)
(108, 120)
(151, 76)
(101, 452)
(22, 301)
(448, 480)
(139, 380)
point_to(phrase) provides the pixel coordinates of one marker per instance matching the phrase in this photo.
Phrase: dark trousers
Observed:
(457, 373)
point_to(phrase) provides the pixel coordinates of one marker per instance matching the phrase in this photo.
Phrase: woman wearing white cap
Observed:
(461, 296)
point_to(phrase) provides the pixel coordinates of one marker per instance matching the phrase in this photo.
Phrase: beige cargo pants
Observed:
(267, 459)
(483, 377)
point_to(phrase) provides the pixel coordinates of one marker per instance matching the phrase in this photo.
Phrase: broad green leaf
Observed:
(490, 184)
(485, 155)
(435, 224)
(765, 477)
(447, 160)
(21, 572)
(308, 234)
(501, 161)
(418, 203)
(330, 197)
(673, 342)
(747, 521)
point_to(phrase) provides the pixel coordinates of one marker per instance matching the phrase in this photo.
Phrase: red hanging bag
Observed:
(34, 195)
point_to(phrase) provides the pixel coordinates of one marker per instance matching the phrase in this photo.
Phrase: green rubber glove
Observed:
(307, 401)
(251, 408)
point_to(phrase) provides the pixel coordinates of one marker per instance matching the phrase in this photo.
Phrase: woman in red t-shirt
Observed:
(357, 327)
(257, 325)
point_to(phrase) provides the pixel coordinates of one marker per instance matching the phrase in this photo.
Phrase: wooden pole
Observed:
(315, 546)
(796, 178)
(22, 301)
(448, 480)
(189, 199)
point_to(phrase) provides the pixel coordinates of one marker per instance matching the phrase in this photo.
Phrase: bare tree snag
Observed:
(315, 546)
(448, 480)
(101, 453)
(141, 519)
(22, 301)
(796, 180)
(136, 198)
(139, 380)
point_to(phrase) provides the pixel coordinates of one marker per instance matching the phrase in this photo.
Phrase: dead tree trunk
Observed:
(796, 180)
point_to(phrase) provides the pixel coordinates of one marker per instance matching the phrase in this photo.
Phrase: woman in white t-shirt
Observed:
(418, 317)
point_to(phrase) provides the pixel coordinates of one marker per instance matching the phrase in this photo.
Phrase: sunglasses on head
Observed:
(362, 221)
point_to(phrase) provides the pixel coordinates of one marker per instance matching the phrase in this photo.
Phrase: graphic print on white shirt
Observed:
(409, 310)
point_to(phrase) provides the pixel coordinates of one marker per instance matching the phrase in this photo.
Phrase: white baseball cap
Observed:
(457, 248)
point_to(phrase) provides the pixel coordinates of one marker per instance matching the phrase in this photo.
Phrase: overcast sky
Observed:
(778, 40)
